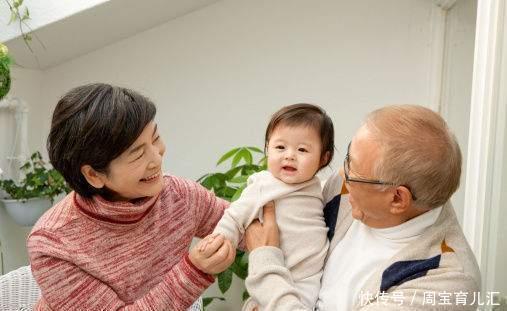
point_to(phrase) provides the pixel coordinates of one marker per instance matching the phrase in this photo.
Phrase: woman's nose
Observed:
(157, 153)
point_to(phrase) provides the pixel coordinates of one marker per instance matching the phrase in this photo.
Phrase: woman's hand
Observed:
(213, 254)
(265, 234)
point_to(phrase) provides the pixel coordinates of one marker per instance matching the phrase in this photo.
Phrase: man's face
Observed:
(369, 203)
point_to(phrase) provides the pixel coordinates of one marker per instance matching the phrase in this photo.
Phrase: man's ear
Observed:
(401, 200)
(324, 159)
(94, 178)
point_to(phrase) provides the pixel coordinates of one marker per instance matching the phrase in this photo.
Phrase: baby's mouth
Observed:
(289, 168)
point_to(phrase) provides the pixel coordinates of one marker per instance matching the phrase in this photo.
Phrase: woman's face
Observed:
(137, 172)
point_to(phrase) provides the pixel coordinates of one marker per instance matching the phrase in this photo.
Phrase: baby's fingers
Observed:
(213, 245)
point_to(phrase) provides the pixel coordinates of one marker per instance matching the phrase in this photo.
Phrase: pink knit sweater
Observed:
(92, 254)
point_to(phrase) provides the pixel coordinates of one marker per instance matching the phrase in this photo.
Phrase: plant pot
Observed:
(26, 213)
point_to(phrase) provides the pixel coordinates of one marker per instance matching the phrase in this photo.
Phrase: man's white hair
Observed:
(418, 150)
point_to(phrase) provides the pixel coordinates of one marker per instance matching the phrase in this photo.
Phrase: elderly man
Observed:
(395, 241)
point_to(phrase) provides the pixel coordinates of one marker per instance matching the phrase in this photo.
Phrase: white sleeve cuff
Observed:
(263, 257)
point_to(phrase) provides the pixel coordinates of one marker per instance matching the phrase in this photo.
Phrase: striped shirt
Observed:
(93, 254)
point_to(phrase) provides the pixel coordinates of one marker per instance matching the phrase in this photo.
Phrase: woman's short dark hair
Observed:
(93, 124)
(305, 115)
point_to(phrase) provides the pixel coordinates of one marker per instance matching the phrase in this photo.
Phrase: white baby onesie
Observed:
(299, 212)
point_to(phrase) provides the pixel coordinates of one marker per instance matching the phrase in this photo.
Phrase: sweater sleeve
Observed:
(65, 286)
(203, 204)
(270, 283)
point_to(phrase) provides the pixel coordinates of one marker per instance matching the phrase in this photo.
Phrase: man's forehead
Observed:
(362, 149)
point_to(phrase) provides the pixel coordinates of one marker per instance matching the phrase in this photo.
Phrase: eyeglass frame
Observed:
(348, 179)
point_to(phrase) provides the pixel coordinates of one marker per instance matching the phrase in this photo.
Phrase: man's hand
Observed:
(213, 254)
(266, 234)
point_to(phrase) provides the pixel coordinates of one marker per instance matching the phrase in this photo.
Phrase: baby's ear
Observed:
(325, 159)
(94, 178)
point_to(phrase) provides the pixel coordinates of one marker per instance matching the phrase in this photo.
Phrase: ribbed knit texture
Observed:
(92, 254)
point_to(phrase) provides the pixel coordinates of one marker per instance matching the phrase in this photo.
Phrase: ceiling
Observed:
(96, 27)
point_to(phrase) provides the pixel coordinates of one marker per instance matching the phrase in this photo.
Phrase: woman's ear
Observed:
(94, 178)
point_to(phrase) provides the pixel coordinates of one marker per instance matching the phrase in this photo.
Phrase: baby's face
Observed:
(294, 153)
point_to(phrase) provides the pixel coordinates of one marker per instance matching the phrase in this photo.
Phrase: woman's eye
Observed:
(156, 138)
(302, 150)
(140, 156)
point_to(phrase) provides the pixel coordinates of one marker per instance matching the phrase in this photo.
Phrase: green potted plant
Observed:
(35, 193)
(5, 75)
(228, 185)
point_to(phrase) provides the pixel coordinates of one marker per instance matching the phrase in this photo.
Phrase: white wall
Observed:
(218, 74)
(501, 246)
(500, 269)
(457, 81)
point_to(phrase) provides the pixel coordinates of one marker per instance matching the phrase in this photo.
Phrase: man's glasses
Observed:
(346, 170)
(348, 179)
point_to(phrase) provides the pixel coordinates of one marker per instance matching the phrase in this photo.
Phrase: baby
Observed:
(299, 142)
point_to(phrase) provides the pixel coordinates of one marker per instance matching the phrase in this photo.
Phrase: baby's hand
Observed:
(204, 243)
(213, 254)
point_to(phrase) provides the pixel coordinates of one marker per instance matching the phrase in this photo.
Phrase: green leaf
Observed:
(26, 166)
(255, 149)
(239, 180)
(14, 16)
(238, 193)
(202, 177)
(36, 156)
(232, 172)
(264, 162)
(39, 181)
(227, 155)
(244, 260)
(237, 158)
(247, 156)
(207, 300)
(246, 295)
(225, 280)
(240, 270)
(229, 192)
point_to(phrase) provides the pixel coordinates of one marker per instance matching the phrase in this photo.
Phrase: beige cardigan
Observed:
(439, 264)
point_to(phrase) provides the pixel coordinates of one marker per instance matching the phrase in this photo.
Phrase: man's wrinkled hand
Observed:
(265, 234)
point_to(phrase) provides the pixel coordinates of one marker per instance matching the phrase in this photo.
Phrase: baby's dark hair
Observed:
(93, 124)
(305, 115)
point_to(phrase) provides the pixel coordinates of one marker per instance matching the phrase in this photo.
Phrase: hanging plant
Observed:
(21, 16)
(5, 75)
